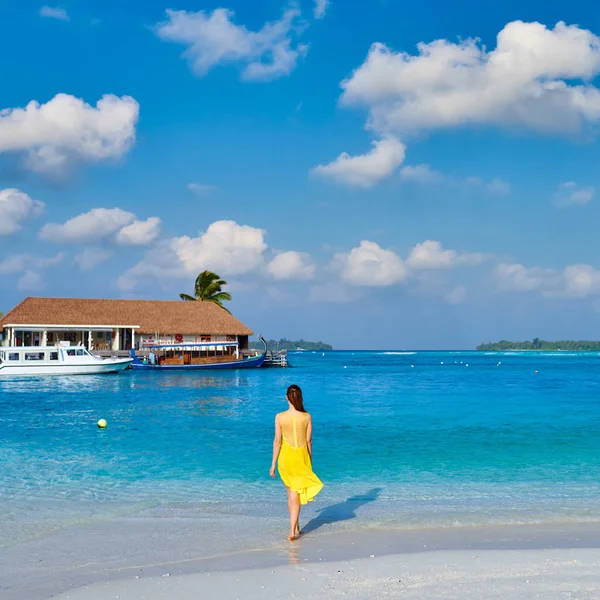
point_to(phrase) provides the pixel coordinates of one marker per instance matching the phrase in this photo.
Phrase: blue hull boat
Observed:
(197, 357)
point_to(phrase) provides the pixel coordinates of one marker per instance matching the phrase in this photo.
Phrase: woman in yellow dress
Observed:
(292, 452)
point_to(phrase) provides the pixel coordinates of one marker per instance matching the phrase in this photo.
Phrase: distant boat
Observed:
(56, 360)
(200, 356)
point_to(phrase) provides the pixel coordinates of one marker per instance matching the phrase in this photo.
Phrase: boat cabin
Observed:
(36, 354)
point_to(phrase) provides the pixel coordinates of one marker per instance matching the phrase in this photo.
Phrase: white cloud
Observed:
(201, 189)
(537, 78)
(54, 13)
(456, 295)
(498, 187)
(424, 174)
(103, 224)
(98, 223)
(66, 131)
(581, 281)
(571, 194)
(365, 170)
(30, 267)
(420, 174)
(291, 265)
(92, 257)
(225, 248)
(15, 208)
(213, 39)
(430, 255)
(30, 281)
(139, 233)
(495, 187)
(574, 281)
(20, 262)
(517, 278)
(321, 7)
(371, 265)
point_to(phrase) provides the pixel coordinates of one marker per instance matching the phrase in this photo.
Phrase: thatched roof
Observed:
(152, 316)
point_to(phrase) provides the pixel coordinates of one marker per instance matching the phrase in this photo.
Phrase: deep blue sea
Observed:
(401, 440)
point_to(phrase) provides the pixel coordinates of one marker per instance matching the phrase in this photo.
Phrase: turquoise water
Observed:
(412, 439)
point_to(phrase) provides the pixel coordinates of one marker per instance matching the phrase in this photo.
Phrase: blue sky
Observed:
(376, 175)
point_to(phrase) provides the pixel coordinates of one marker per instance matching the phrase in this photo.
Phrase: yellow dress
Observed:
(294, 464)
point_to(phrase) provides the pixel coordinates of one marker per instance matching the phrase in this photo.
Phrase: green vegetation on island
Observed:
(537, 344)
(284, 344)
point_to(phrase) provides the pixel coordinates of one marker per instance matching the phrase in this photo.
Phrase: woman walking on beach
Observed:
(292, 452)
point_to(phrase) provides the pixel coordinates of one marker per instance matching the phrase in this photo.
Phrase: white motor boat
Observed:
(56, 360)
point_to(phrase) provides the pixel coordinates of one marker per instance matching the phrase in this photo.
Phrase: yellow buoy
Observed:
(102, 423)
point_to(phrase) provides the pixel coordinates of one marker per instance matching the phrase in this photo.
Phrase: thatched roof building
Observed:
(118, 324)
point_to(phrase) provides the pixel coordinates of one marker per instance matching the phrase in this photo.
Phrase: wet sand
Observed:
(91, 563)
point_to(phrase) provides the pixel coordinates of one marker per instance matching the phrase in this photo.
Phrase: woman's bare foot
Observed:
(297, 532)
(292, 537)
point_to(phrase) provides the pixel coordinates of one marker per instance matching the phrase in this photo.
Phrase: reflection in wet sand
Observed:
(294, 554)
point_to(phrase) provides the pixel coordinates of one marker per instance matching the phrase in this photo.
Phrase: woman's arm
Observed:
(276, 445)
(309, 437)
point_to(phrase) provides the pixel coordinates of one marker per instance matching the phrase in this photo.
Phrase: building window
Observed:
(100, 335)
(50, 337)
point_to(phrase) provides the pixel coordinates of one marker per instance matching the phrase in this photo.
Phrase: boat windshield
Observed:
(77, 352)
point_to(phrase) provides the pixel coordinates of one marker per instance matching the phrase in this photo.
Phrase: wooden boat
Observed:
(56, 360)
(199, 356)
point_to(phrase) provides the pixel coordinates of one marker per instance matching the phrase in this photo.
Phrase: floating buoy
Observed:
(442, 363)
(412, 366)
(537, 372)
(102, 423)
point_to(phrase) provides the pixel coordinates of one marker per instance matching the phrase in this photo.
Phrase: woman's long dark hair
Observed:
(294, 395)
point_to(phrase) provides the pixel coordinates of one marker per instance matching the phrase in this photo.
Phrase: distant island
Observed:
(284, 344)
(537, 344)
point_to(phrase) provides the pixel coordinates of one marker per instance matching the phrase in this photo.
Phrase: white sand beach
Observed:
(553, 562)
(455, 575)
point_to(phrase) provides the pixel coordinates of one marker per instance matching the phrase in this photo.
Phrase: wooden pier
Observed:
(276, 358)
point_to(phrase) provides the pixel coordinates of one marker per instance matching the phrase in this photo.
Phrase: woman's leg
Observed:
(294, 508)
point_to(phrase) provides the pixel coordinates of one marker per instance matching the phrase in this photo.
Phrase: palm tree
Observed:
(208, 288)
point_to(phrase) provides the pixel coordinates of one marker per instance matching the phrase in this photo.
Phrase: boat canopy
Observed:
(191, 346)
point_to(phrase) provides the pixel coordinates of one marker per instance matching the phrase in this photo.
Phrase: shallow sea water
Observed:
(401, 440)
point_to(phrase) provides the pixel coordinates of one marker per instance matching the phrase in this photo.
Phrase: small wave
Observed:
(398, 353)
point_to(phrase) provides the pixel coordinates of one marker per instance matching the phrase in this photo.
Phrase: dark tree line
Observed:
(285, 344)
(537, 344)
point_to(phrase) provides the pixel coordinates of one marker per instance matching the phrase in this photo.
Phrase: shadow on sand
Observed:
(343, 511)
